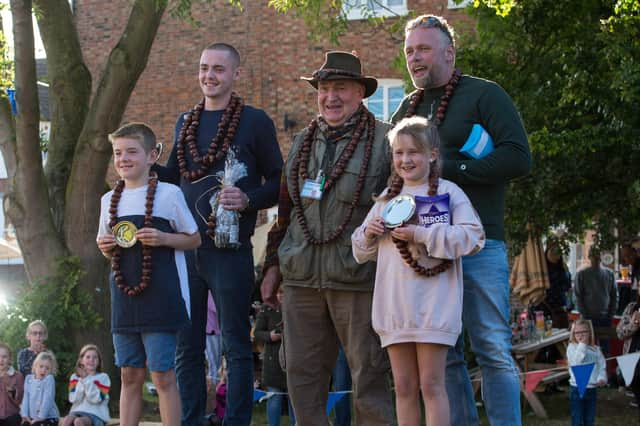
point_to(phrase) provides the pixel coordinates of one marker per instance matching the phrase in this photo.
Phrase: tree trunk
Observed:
(26, 200)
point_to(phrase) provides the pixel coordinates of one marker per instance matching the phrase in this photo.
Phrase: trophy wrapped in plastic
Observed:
(226, 233)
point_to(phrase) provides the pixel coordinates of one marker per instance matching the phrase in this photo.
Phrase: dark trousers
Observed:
(229, 275)
(583, 410)
(11, 420)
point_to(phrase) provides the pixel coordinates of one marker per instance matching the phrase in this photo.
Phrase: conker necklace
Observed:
(219, 145)
(300, 164)
(147, 252)
(416, 98)
(434, 174)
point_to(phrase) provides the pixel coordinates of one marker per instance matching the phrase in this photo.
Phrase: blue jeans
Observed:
(583, 410)
(230, 276)
(274, 408)
(485, 315)
(342, 382)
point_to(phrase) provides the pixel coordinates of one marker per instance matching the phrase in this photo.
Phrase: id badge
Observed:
(311, 189)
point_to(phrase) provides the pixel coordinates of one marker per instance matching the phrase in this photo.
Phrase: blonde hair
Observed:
(426, 138)
(140, 132)
(84, 350)
(35, 323)
(584, 322)
(45, 356)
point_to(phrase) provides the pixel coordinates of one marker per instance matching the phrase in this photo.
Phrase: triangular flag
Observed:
(627, 364)
(333, 398)
(257, 394)
(532, 379)
(582, 374)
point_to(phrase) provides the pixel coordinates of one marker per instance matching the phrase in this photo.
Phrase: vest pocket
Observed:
(296, 258)
(347, 270)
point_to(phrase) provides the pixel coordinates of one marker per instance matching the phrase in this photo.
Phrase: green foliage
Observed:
(6, 69)
(62, 306)
(181, 9)
(572, 69)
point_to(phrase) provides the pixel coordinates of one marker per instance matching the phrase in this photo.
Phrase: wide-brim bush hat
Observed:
(343, 66)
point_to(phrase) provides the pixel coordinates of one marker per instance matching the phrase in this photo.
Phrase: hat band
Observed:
(324, 73)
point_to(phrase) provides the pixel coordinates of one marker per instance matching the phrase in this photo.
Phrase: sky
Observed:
(8, 31)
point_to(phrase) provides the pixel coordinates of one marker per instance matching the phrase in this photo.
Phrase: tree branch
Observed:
(70, 91)
(124, 66)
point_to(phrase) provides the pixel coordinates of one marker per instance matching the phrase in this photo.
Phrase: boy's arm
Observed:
(179, 241)
(105, 239)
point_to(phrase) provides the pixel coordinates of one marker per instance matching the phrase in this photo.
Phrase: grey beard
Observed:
(425, 82)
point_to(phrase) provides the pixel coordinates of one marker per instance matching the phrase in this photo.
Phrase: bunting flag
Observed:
(532, 379)
(582, 374)
(258, 394)
(333, 398)
(627, 364)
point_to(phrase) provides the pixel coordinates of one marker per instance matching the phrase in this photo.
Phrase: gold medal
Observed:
(125, 233)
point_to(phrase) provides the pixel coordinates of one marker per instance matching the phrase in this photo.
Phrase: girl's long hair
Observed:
(426, 138)
(84, 350)
(585, 322)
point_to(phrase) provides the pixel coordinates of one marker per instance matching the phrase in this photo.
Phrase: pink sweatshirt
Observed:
(408, 307)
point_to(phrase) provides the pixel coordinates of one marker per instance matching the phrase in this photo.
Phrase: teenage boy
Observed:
(144, 227)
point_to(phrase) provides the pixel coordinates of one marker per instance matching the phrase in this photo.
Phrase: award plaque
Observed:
(399, 210)
(125, 233)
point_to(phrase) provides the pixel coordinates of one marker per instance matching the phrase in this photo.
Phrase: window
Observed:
(363, 9)
(386, 98)
(452, 4)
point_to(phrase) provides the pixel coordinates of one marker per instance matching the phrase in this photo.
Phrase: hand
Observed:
(151, 237)
(232, 198)
(270, 284)
(601, 382)
(80, 372)
(375, 228)
(275, 336)
(106, 244)
(26, 420)
(404, 233)
(635, 318)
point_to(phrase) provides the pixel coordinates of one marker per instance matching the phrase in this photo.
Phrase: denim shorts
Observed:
(95, 420)
(157, 351)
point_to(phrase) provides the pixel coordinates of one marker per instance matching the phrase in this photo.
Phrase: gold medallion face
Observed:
(125, 233)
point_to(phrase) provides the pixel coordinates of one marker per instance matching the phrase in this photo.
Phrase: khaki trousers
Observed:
(314, 322)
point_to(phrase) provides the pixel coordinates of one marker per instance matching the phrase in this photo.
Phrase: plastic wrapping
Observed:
(227, 229)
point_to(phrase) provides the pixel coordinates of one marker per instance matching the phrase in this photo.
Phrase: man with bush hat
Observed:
(334, 168)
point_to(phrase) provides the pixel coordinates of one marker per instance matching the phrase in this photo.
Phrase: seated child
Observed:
(88, 390)
(39, 402)
(11, 389)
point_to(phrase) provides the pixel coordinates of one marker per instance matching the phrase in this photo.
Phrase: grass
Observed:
(613, 410)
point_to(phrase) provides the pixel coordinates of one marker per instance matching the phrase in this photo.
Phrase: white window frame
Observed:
(353, 11)
(386, 84)
(452, 4)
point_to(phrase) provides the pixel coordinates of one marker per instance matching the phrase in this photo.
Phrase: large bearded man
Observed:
(455, 103)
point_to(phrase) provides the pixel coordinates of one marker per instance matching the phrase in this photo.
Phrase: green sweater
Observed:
(484, 181)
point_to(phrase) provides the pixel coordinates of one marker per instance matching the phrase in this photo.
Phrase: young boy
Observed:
(144, 227)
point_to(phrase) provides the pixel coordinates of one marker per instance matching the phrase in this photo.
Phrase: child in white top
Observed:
(417, 299)
(582, 349)
(88, 390)
(145, 321)
(38, 406)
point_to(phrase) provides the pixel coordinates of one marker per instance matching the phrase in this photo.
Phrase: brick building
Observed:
(275, 52)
